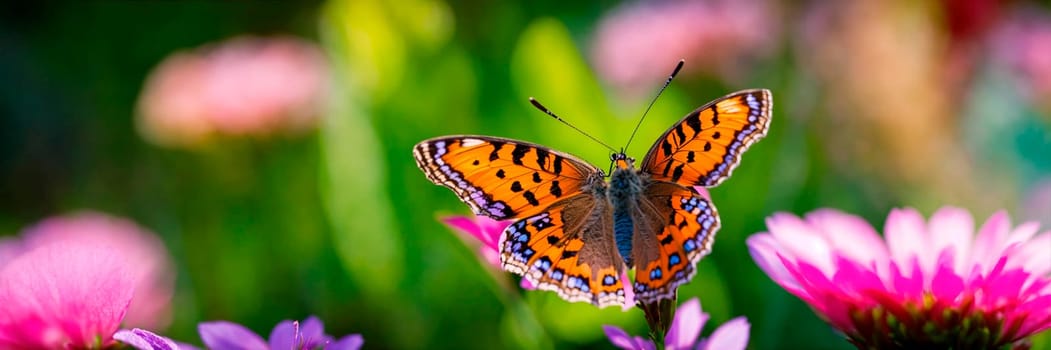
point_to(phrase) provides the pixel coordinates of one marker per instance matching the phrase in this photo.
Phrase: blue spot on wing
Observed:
(689, 245)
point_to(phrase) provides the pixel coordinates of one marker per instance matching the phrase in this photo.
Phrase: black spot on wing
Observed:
(680, 133)
(557, 165)
(566, 254)
(716, 135)
(689, 157)
(555, 190)
(519, 152)
(541, 157)
(715, 115)
(536, 177)
(666, 147)
(707, 146)
(516, 187)
(677, 173)
(551, 239)
(497, 145)
(531, 198)
(694, 122)
(666, 240)
(501, 174)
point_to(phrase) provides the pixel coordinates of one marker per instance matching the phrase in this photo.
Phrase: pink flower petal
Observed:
(799, 240)
(149, 262)
(853, 276)
(483, 229)
(849, 235)
(906, 236)
(1033, 256)
(64, 294)
(946, 284)
(732, 335)
(629, 293)
(764, 249)
(989, 242)
(952, 227)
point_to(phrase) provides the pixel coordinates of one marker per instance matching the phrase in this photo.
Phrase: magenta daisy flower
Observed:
(925, 284)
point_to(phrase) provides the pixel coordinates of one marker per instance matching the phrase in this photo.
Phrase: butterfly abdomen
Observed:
(625, 185)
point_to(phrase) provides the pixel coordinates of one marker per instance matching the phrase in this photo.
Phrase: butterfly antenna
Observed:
(666, 83)
(552, 114)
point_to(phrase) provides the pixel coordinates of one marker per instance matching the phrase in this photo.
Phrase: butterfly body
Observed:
(577, 234)
(625, 187)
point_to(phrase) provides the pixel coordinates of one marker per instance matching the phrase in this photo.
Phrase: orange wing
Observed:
(569, 249)
(703, 148)
(501, 178)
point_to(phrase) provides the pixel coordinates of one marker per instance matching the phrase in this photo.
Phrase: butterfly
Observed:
(577, 233)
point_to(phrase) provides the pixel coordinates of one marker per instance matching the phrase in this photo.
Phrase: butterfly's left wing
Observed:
(705, 146)
(678, 229)
(568, 248)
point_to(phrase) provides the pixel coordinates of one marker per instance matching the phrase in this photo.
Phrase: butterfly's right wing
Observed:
(703, 148)
(502, 178)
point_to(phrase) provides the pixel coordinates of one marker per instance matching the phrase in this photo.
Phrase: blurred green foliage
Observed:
(341, 223)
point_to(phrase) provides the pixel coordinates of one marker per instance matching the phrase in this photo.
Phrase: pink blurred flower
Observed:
(1022, 43)
(639, 43)
(151, 267)
(64, 295)
(927, 284)
(685, 328)
(1037, 203)
(245, 86)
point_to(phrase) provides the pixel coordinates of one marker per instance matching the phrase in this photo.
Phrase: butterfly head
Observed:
(622, 161)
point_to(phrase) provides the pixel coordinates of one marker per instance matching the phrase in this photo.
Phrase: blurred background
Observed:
(269, 145)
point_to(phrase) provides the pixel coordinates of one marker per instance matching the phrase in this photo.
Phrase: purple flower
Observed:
(146, 340)
(685, 328)
(223, 335)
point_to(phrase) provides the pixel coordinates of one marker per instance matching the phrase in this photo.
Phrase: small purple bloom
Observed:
(685, 328)
(224, 335)
(146, 340)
